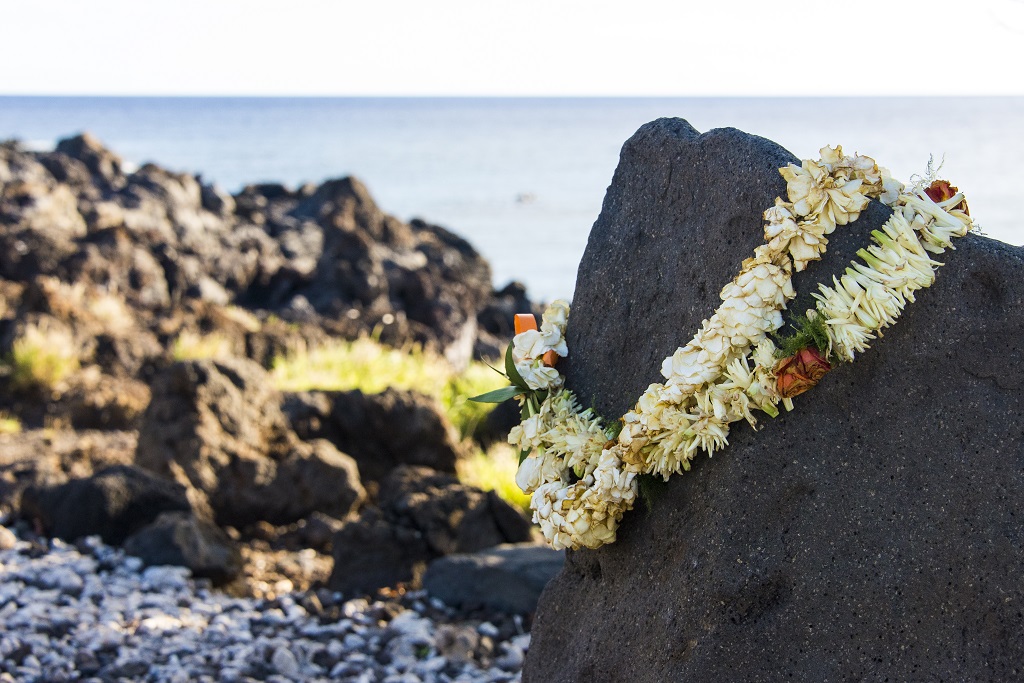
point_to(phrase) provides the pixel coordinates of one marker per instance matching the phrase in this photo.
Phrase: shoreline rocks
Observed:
(88, 611)
(139, 311)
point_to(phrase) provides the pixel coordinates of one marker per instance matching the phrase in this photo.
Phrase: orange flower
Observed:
(941, 190)
(800, 372)
(524, 322)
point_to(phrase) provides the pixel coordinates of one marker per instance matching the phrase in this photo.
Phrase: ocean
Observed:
(523, 178)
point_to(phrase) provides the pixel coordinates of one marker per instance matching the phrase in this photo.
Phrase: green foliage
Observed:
(495, 470)
(371, 367)
(651, 489)
(42, 358)
(807, 332)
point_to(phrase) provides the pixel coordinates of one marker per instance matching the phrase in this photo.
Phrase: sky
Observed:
(527, 47)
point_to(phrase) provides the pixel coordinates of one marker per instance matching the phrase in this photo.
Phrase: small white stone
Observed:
(285, 662)
(7, 539)
(487, 629)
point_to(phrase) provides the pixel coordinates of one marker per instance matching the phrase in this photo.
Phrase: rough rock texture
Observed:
(179, 538)
(48, 458)
(217, 428)
(381, 431)
(872, 534)
(423, 514)
(508, 578)
(325, 258)
(112, 504)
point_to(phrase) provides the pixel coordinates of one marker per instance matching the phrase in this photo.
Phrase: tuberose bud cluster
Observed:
(582, 480)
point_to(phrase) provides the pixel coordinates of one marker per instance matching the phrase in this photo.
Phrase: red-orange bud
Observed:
(941, 190)
(800, 372)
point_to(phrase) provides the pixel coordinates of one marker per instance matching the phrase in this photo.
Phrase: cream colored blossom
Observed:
(936, 226)
(891, 188)
(586, 513)
(804, 241)
(831, 200)
(557, 313)
(539, 376)
(539, 469)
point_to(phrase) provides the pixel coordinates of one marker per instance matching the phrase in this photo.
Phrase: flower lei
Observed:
(582, 474)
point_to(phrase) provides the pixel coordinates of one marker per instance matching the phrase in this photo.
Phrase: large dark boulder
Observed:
(216, 427)
(182, 539)
(508, 578)
(422, 515)
(381, 431)
(113, 504)
(873, 533)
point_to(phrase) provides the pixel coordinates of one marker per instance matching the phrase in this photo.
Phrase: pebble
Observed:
(88, 612)
(7, 538)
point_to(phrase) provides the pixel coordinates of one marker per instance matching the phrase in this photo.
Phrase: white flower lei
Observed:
(583, 478)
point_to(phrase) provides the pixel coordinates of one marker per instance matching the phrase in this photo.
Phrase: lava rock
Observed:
(112, 504)
(508, 578)
(216, 427)
(179, 538)
(422, 515)
(872, 533)
(381, 431)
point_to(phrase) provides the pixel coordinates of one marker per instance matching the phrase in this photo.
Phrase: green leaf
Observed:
(510, 369)
(523, 455)
(651, 488)
(498, 395)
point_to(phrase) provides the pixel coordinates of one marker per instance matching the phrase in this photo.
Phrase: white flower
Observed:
(557, 313)
(537, 470)
(527, 345)
(551, 336)
(805, 185)
(891, 188)
(528, 476)
(526, 435)
(539, 376)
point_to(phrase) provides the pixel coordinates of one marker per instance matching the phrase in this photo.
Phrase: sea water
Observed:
(523, 179)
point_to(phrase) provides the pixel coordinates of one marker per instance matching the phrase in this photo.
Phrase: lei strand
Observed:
(582, 473)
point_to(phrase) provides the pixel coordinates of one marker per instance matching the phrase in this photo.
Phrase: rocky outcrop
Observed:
(380, 431)
(508, 578)
(872, 533)
(112, 504)
(324, 256)
(216, 427)
(181, 539)
(422, 515)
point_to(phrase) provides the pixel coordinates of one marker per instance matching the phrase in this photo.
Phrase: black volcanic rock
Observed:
(216, 427)
(324, 255)
(113, 504)
(180, 538)
(872, 534)
(380, 431)
(423, 515)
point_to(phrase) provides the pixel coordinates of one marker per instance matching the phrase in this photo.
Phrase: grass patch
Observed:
(42, 358)
(191, 346)
(9, 425)
(495, 471)
(371, 367)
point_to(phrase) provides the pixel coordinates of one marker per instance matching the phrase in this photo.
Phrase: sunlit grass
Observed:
(191, 346)
(42, 358)
(371, 367)
(9, 425)
(495, 471)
